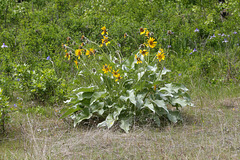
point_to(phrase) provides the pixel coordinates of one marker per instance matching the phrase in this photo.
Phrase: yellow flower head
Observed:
(106, 68)
(143, 52)
(90, 52)
(160, 55)
(138, 59)
(142, 30)
(78, 53)
(118, 77)
(115, 73)
(68, 56)
(105, 41)
(151, 42)
(104, 30)
(147, 34)
(76, 62)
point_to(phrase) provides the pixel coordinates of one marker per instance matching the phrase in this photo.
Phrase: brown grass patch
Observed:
(209, 131)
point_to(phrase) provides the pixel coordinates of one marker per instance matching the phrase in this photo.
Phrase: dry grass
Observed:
(209, 131)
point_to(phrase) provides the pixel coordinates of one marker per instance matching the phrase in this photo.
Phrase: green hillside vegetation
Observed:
(127, 65)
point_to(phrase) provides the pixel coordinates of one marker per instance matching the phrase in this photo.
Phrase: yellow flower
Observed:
(160, 55)
(104, 30)
(143, 52)
(138, 59)
(90, 52)
(115, 73)
(147, 34)
(68, 56)
(106, 68)
(78, 53)
(76, 62)
(105, 41)
(142, 30)
(118, 77)
(151, 42)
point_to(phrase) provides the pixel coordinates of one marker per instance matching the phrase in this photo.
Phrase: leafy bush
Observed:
(45, 86)
(124, 88)
(40, 84)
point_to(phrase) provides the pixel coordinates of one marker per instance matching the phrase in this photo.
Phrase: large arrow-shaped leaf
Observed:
(180, 101)
(161, 104)
(125, 124)
(85, 114)
(149, 105)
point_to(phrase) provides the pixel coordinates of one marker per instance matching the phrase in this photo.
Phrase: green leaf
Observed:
(174, 116)
(165, 71)
(159, 75)
(180, 101)
(97, 107)
(173, 88)
(140, 75)
(87, 95)
(97, 95)
(139, 100)
(161, 104)
(86, 102)
(85, 89)
(107, 81)
(157, 120)
(85, 114)
(149, 105)
(139, 86)
(109, 121)
(131, 97)
(124, 98)
(128, 83)
(83, 95)
(126, 123)
(157, 82)
(70, 111)
(165, 96)
(111, 106)
(152, 68)
(117, 112)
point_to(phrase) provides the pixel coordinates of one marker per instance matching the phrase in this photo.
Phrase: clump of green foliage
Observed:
(200, 37)
(40, 84)
(123, 89)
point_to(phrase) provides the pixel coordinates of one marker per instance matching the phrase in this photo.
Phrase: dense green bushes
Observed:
(202, 43)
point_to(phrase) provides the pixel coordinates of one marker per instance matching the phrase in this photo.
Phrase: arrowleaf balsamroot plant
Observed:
(124, 89)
